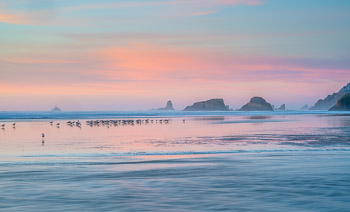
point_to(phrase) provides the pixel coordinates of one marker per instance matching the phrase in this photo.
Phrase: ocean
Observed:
(175, 161)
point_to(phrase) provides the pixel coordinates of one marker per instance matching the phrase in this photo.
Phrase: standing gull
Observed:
(43, 138)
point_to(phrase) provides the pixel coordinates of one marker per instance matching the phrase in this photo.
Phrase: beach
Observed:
(174, 106)
(233, 161)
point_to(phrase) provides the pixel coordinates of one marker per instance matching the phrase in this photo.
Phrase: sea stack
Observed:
(305, 107)
(209, 105)
(257, 104)
(331, 100)
(343, 104)
(56, 109)
(169, 106)
(283, 107)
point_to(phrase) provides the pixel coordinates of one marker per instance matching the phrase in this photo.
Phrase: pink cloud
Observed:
(147, 70)
(143, 61)
(196, 3)
(27, 60)
(48, 15)
(25, 16)
(221, 2)
(204, 13)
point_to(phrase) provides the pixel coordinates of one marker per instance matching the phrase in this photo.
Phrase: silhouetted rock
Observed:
(283, 107)
(169, 106)
(305, 107)
(209, 105)
(343, 104)
(331, 100)
(56, 109)
(257, 104)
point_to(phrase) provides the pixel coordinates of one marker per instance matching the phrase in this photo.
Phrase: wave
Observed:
(40, 115)
(128, 154)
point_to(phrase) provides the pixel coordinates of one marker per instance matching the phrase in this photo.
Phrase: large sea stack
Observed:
(331, 100)
(343, 104)
(209, 105)
(257, 104)
(169, 106)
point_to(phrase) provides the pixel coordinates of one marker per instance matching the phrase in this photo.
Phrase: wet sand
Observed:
(258, 162)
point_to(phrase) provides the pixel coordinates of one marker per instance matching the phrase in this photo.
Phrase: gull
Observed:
(43, 136)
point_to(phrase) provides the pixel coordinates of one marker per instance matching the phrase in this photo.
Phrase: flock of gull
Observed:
(107, 123)
(110, 123)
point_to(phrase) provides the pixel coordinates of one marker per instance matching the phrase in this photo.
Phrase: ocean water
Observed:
(198, 161)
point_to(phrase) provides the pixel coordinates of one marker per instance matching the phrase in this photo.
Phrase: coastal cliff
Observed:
(343, 104)
(257, 104)
(209, 105)
(331, 100)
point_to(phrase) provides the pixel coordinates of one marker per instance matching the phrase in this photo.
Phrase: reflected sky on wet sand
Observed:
(216, 163)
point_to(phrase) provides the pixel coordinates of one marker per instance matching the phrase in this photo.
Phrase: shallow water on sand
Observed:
(210, 162)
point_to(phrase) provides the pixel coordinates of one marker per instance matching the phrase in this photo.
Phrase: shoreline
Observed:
(21, 116)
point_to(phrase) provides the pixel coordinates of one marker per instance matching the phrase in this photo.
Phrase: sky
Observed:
(137, 54)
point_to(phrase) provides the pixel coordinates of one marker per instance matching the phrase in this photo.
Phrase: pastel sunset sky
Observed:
(137, 54)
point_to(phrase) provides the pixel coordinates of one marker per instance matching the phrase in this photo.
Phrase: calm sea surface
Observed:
(232, 161)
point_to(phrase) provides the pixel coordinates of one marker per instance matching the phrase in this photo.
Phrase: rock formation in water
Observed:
(305, 107)
(257, 104)
(169, 106)
(209, 105)
(283, 107)
(56, 109)
(331, 100)
(343, 104)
